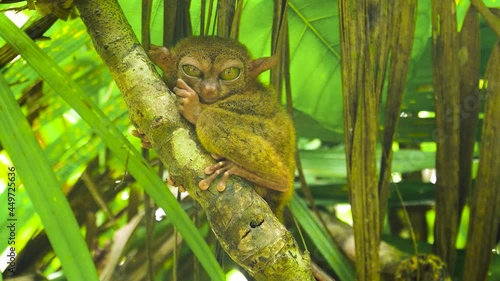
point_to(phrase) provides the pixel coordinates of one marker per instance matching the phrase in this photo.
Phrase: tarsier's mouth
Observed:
(208, 101)
(208, 98)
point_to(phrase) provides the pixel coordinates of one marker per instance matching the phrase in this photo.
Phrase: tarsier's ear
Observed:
(260, 65)
(162, 57)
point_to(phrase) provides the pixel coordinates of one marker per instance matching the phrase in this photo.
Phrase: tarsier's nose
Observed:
(210, 90)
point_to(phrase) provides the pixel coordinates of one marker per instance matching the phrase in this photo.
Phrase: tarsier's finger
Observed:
(215, 171)
(146, 144)
(171, 181)
(137, 133)
(181, 92)
(205, 183)
(211, 169)
(216, 156)
(185, 100)
(218, 167)
(183, 85)
(221, 185)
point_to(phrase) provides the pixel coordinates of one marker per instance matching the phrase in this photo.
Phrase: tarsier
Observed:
(238, 120)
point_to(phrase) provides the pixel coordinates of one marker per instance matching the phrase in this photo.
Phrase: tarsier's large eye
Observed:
(230, 73)
(191, 70)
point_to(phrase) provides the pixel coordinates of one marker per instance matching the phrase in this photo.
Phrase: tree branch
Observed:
(490, 18)
(394, 264)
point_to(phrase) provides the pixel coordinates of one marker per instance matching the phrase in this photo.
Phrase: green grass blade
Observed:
(43, 189)
(342, 267)
(54, 76)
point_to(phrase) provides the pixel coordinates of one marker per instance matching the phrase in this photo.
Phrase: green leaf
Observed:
(330, 252)
(42, 186)
(315, 61)
(329, 164)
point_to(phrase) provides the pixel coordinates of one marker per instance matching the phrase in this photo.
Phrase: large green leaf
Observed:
(329, 164)
(315, 61)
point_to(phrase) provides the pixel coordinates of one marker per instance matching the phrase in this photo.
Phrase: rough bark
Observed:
(447, 133)
(363, 28)
(485, 210)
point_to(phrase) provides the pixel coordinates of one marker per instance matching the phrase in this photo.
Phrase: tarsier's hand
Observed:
(189, 101)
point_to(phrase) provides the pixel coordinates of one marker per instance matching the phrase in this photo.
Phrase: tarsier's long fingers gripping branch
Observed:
(227, 168)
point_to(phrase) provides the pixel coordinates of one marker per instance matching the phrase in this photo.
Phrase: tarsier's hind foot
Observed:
(227, 168)
(223, 167)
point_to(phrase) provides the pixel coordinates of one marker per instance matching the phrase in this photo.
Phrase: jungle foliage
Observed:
(414, 83)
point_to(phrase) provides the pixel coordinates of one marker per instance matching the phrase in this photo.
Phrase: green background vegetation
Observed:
(68, 152)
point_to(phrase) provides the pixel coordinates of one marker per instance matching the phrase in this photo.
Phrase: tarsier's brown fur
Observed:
(238, 119)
